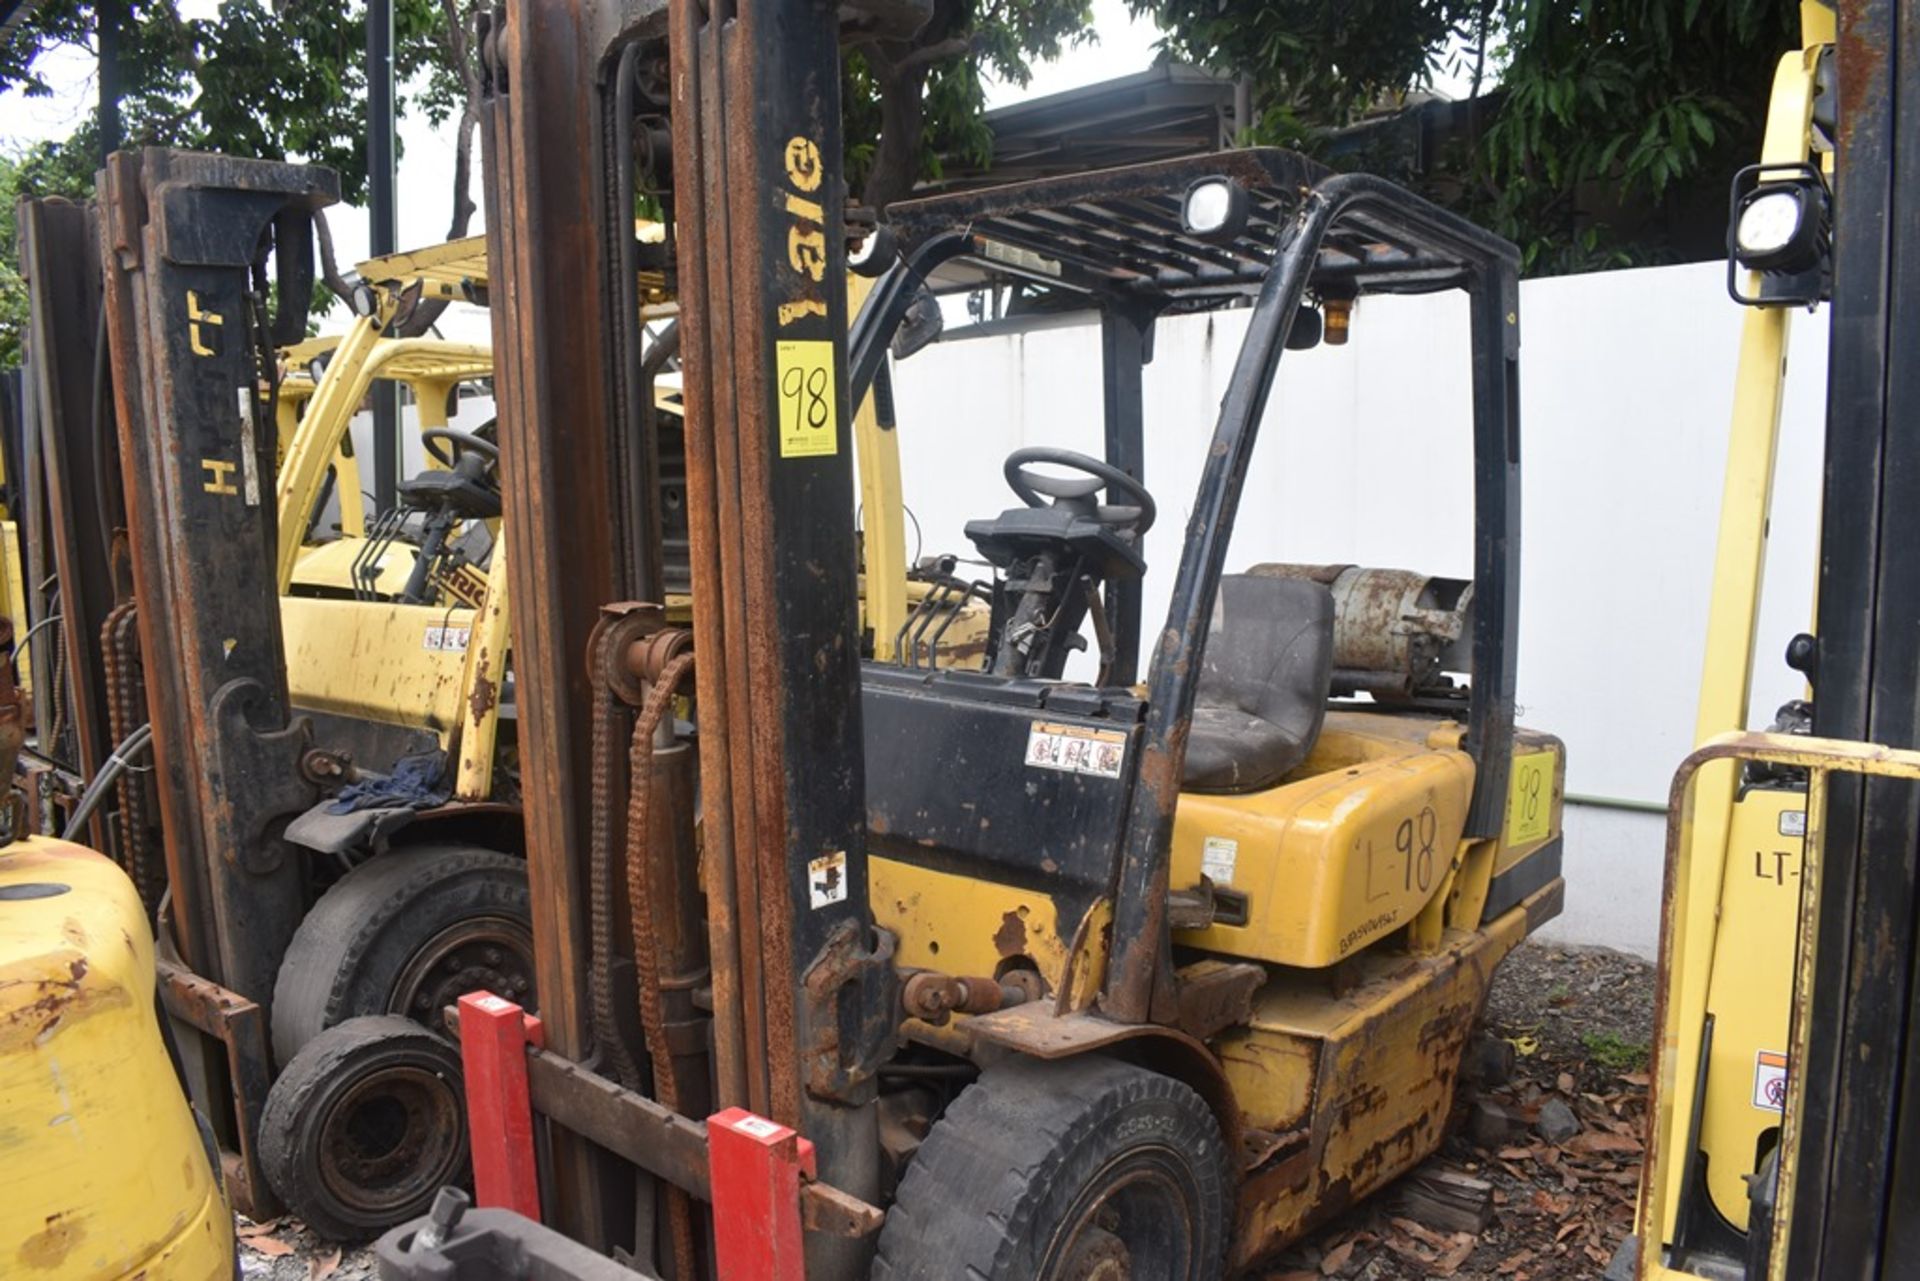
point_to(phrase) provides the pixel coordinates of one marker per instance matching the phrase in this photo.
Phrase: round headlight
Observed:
(1214, 208)
(1769, 222)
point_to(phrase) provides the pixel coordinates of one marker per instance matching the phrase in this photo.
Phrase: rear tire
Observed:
(407, 932)
(364, 1126)
(1064, 1171)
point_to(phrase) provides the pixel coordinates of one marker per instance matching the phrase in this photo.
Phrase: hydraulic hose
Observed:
(118, 761)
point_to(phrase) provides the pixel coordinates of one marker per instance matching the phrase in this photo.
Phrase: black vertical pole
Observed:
(1125, 347)
(382, 231)
(106, 21)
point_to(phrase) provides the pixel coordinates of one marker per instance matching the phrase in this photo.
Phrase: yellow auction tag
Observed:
(1530, 797)
(807, 418)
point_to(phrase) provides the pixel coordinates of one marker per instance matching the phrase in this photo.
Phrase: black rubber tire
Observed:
(354, 948)
(1022, 1150)
(364, 1126)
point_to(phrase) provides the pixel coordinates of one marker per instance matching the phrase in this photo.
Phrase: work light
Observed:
(1769, 224)
(1780, 226)
(1214, 209)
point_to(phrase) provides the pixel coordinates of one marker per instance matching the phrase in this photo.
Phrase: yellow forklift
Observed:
(1813, 959)
(1143, 976)
(1728, 957)
(325, 889)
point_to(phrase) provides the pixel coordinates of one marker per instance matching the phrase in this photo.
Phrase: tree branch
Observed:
(329, 267)
(951, 48)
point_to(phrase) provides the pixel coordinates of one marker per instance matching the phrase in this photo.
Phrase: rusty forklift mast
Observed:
(76, 575)
(186, 239)
(801, 992)
(762, 255)
(1856, 1155)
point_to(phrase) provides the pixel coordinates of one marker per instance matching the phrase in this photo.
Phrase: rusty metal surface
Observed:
(184, 236)
(552, 242)
(141, 846)
(669, 946)
(1215, 995)
(758, 203)
(59, 257)
(665, 1143)
(756, 112)
(239, 1026)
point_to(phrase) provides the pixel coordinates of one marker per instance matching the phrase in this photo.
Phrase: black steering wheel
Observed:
(1135, 509)
(462, 441)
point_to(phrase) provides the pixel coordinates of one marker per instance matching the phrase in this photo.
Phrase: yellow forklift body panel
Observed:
(1333, 859)
(377, 660)
(1341, 1094)
(13, 594)
(1749, 1002)
(960, 924)
(102, 1169)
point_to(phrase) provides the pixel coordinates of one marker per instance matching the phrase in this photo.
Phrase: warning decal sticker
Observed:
(1770, 1081)
(1073, 749)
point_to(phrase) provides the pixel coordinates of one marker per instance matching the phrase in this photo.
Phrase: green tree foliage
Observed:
(275, 80)
(906, 102)
(258, 79)
(1315, 63)
(1616, 112)
(1595, 125)
(13, 287)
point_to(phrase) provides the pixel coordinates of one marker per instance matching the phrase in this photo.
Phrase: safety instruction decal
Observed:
(1073, 749)
(446, 640)
(1530, 798)
(827, 879)
(808, 424)
(1218, 854)
(1770, 1081)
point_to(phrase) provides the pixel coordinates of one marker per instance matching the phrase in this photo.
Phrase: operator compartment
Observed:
(1008, 870)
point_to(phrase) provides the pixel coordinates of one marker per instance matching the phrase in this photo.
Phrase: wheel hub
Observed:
(1097, 1255)
(393, 1135)
(481, 953)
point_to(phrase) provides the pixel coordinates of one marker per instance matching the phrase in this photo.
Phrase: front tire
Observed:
(1089, 1170)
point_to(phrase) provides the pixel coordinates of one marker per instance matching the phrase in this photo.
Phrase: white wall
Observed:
(1626, 387)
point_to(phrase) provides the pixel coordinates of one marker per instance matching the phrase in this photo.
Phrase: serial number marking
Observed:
(1367, 929)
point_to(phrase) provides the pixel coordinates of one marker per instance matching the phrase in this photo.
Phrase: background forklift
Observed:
(1080, 981)
(284, 962)
(1729, 968)
(1836, 1181)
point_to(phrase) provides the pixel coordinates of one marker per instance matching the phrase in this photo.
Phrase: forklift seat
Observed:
(1263, 684)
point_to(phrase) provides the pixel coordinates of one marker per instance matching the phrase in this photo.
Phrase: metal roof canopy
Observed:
(455, 269)
(396, 359)
(1118, 234)
(1166, 110)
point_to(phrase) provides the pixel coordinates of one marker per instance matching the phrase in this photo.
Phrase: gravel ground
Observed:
(1579, 1020)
